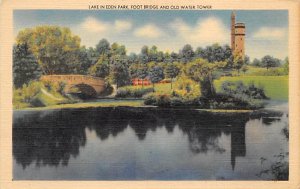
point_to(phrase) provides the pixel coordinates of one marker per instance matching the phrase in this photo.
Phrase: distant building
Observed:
(237, 37)
(146, 81)
(137, 81)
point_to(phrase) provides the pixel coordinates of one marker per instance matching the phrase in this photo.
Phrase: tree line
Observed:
(47, 50)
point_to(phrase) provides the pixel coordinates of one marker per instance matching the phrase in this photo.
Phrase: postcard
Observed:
(129, 94)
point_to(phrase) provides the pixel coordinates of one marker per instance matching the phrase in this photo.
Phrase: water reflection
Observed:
(52, 137)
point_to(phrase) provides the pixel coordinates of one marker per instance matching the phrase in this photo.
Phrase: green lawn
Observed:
(160, 87)
(276, 87)
(163, 87)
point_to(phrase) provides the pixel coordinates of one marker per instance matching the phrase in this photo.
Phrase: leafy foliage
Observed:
(55, 48)
(238, 63)
(186, 53)
(156, 74)
(101, 68)
(269, 61)
(214, 53)
(39, 94)
(25, 66)
(201, 70)
(241, 91)
(119, 74)
(171, 71)
(103, 48)
(127, 92)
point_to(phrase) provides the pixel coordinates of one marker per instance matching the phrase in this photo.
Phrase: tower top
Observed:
(239, 25)
(232, 14)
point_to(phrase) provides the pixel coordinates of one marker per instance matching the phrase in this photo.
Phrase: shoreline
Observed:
(136, 103)
(101, 105)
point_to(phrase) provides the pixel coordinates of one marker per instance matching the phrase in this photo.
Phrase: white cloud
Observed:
(205, 32)
(148, 31)
(270, 33)
(93, 25)
(122, 25)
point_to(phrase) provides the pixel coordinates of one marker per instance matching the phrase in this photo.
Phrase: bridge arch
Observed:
(88, 85)
(83, 90)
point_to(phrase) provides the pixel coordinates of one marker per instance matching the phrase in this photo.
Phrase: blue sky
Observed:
(266, 30)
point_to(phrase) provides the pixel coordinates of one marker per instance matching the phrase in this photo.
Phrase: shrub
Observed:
(161, 100)
(241, 91)
(176, 101)
(30, 91)
(32, 95)
(237, 95)
(37, 102)
(130, 92)
(150, 99)
(184, 86)
(61, 88)
(58, 87)
(186, 93)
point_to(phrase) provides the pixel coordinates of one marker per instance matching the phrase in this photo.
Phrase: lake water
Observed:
(147, 144)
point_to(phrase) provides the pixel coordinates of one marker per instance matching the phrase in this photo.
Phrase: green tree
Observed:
(55, 48)
(133, 70)
(153, 54)
(119, 74)
(103, 47)
(84, 61)
(25, 66)
(118, 54)
(156, 74)
(238, 63)
(92, 55)
(142, 72)
(269, 61)
(186, 53)
(245, 69)
(256, 62)
(117, 49)
(247, 60)
(174, 57)
(144, 55)
(171, 71)
(214, 53)
(133, 58)
(160, 56)
(200, 70)
(101, 68)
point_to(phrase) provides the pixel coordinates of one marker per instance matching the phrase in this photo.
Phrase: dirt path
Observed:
(113, 94)
(50, 95)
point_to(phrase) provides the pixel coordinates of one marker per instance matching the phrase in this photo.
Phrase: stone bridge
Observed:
(88, 85)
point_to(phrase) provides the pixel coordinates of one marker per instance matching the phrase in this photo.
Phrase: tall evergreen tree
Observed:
(25, 66)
